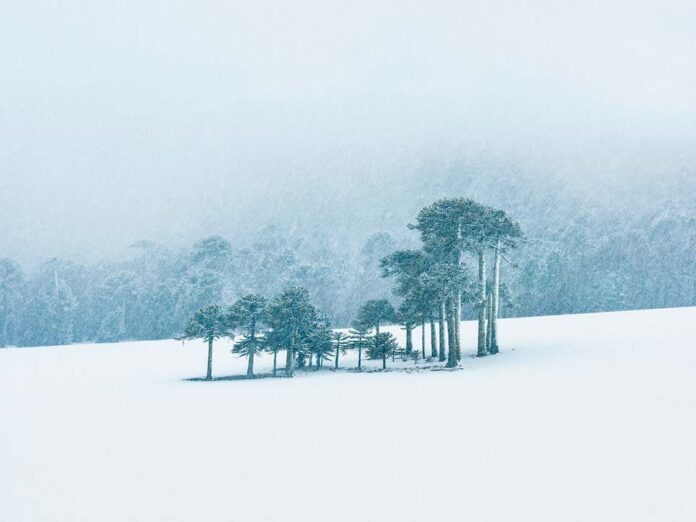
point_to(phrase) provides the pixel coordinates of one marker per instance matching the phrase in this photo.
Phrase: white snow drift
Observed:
(585, 417)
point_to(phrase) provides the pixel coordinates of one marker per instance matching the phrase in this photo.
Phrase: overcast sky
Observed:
(125, 119)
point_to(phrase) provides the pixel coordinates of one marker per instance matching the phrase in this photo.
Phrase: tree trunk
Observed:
(433, 337)
(489, 310)
(482, 305)
(451, 341)
(441, 320)
(360, 357)
(338, 351)
(250, 364)
(458, 325)
(423, 338)
(495, 300)
(209, 373)
(409, 339)
(290, 359)
(275, 359)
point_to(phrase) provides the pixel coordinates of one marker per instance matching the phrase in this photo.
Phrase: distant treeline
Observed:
(580, 264)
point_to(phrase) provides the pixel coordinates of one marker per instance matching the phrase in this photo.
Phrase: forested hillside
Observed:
(580, 253)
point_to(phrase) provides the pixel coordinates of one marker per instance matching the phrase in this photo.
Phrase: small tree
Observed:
(317, 340)
(340, 341)
(359, 340)
(208, 323)
(246, 316)
(375, 313)
(385, 345)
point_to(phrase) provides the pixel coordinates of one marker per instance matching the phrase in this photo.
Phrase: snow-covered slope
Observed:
(585, 417)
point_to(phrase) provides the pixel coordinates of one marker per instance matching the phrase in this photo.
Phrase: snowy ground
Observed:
(586, 417)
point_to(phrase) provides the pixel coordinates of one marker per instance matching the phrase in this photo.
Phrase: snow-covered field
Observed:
(585, 417)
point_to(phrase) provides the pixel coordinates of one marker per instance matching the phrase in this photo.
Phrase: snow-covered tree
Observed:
(246, 316)
(208, 323)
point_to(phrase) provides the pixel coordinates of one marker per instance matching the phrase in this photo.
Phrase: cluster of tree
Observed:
(290, 323)
(435, 280)
(431, 282)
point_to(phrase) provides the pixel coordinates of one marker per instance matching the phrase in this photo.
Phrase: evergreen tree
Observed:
(406, 317)
(208, 323)
(375, 313)
(452, 227)
(504, 233)
(340, 341)
(292, 317)
(384, 346)
(317, 340)
(359, 339)
(246, 316)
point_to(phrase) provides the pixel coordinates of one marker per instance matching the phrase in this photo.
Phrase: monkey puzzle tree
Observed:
(407, 266)
(291, 317)
(450, 228)
(385, 345)
(359, 339)
(208, 323)
(504, 233)
(406, 317)
(340, 341)
(246, 316)
(317, 340)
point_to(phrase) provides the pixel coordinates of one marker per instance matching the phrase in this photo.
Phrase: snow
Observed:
(583, 417)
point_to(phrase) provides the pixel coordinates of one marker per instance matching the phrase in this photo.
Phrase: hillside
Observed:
(582, 417)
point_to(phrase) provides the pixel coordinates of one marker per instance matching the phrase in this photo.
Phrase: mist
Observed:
(172, 121)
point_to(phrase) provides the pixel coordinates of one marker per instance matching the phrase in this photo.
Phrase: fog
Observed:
(172, 121)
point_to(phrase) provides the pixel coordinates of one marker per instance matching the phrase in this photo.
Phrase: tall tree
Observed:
(450, 228)
(208, 323)
(246, 315)
(504, 233)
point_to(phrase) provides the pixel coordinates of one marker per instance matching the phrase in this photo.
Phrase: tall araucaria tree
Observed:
(505, 233)
(209, 323)
(247, 316)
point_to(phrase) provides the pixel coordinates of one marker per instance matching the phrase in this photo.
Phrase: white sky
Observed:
(128, 119)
